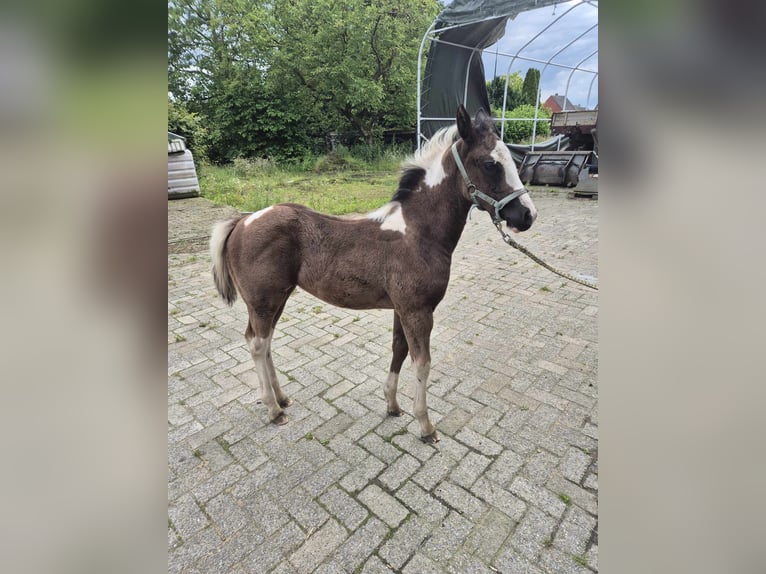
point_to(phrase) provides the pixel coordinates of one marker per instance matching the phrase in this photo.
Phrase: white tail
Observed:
(221, 276)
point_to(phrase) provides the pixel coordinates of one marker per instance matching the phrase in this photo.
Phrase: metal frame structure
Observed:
(432, 35)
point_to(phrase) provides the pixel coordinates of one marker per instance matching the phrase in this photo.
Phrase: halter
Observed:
(475, 194)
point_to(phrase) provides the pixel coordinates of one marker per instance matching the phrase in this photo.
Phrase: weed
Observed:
(309, 436)
(324, 442)
(545, 289)
(204, 324)
(469, 342)
(317, 309)
(580, 559)
(355, 319)
(175, 311)
(197, 452)
(180, 338)
(224, 444)
(565, 498)
(524, 407)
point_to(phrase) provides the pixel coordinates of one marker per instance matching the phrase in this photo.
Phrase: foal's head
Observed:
(490, 168)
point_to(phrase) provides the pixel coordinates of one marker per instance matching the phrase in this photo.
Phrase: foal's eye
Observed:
(491, 166)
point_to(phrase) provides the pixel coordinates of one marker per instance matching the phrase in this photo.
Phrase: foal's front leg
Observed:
(400, 350)
(417, 328)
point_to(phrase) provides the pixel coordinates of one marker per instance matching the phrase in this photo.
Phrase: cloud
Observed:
(528, 37)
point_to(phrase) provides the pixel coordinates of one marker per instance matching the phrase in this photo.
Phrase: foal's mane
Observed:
(414, 167)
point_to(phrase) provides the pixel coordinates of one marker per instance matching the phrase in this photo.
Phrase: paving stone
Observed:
(575, 531)
(460, 499)
(375, 565)
(574, 465)
(469, 469)
(490, 534)
(447, 538)
(401, 470)
(479, 442)
(275, 549)
(406, 540)
(500, 498)
(539, 496)
(187, 517)
(300, 505)
(385, 506)
(420, 564)
(539, 467)
(554, 560)
(360, 545)
(343, 507)
(317, 547)
(533, 533)
(229, 515)
(423, 503)
(509, 561)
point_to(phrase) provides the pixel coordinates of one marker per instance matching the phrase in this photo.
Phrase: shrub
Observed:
(521, 131)
(187, 124)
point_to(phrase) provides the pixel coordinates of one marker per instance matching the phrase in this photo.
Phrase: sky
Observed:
(518, 32)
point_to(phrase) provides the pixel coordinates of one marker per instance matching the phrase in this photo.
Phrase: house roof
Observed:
(560, 100)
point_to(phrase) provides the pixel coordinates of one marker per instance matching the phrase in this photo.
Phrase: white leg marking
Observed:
(259, 349)
(258, 214)
(389, 391)
(501, 155)
(420, 407)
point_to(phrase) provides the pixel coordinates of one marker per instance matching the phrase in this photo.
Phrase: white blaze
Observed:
(501, 155)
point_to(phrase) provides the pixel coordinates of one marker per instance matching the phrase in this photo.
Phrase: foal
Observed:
(397, 257)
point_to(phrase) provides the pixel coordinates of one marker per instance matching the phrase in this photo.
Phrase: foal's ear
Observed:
(464, 127)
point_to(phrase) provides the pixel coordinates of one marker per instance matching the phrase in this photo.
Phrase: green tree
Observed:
(356, 58)
(530, 88)
(184, 123)
(496, 89)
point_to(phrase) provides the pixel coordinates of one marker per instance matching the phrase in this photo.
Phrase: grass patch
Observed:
(330, 184)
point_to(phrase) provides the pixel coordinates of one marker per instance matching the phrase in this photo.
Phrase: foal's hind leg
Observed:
(282, 399)
(258, 335)
(400, 350)
(417, 328)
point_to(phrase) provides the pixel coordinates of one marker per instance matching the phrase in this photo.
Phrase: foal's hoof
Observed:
(286, 402)
(280, 420)
(432, 438)
(396, 413)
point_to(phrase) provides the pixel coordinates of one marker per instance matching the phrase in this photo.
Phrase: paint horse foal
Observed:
(398, 257)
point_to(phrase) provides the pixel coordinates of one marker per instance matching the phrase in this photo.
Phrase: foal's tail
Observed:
(221, 275)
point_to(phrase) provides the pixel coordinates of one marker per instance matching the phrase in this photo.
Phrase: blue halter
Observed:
(475, 194)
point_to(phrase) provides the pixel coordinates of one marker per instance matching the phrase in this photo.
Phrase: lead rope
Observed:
(512, 242)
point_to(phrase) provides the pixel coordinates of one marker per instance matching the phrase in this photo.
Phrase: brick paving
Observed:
(511, 487)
